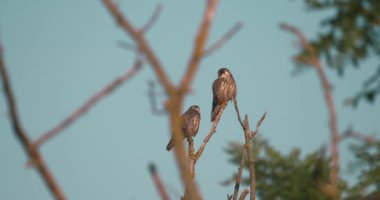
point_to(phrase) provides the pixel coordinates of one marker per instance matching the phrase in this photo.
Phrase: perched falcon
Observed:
(189, 124)
(223, 89)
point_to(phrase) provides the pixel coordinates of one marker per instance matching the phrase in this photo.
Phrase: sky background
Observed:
(59, 53)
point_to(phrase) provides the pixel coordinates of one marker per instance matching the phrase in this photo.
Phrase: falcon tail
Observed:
(215, 111)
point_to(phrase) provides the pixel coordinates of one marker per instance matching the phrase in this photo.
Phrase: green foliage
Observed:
(292, 177)
(351, 34)
(280, 176)
(371, 88)
(368, 163)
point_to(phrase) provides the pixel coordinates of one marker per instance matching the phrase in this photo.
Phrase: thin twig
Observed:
(249, 135)
(240, 172)
(251, 160)
(200, 42)
(238, 113)
(174, 102)
(21, 135)
(221, 41)
(152, 19)
(138, 36)
(254, 133)
(145, 28)
(357, 135)
(209, 135)
(327, 91)
(86, 106)
(158, 183)
(243, 194)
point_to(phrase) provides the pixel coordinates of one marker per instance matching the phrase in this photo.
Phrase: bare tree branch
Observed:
(86, 106)
(174, 102)
(238, 113)
(221, 41)
(138, 36)
(209, 135)
(247, 134)
(191, 156)
(152, 19)
(145, 28)
(354, 134)
(240, 172)
(158, 183)
(21, 135)
(199, 44)
(254, 133)
(243, 194)
(313, 60)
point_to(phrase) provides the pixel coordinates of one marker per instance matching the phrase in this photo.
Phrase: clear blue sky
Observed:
(59, 53)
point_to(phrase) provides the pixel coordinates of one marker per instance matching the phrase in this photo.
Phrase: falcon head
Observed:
(223, 73)
(196, 108)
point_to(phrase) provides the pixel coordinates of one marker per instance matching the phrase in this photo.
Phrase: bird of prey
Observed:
(223, 89)
(189, 124)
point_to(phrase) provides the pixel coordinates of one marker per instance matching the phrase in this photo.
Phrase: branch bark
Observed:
(208, 137)
(138, 36)
(23, 138)
(243, 194)
(199, 45)
(91, 102)
(221, 41)
(175, 98)
(152, 19)
(247, 134)
(238, 177)
(314, 61)
(158, 183)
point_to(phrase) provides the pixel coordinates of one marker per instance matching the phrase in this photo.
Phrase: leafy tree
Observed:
(280, 176)
(350, 35)
(290, 176)
(368, 163)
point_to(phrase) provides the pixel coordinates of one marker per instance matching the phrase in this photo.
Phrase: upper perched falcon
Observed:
(223, 89)
(189, 125)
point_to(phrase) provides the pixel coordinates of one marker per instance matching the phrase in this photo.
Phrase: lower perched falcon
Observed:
(189, 125)
(223, 89)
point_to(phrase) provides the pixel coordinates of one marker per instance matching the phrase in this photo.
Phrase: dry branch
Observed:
(158, 183)
(313, 60)
(208, 136)
(225, 38)
(247, 134)
(200, 42)
(238, 177)
(243, 194)
(86, 106)
(254, 133)
(357, 135)
(148, 25)
(21, 135)
(238, 113)
(175, 96)
(145, 49)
